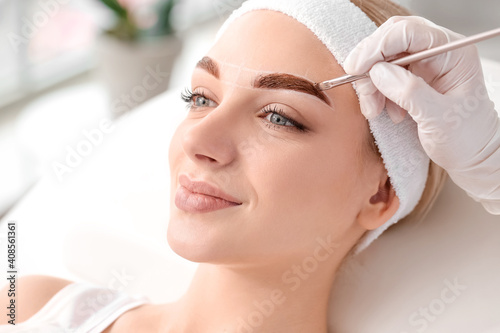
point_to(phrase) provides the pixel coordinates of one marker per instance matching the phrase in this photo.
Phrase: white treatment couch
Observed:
(106, 223)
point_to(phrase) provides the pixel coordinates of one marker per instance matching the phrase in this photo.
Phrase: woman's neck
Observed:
(287, 298)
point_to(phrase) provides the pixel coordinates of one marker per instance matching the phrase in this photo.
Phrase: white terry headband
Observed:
(341, 25)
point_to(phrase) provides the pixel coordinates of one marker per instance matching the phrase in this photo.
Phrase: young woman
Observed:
(274, 182)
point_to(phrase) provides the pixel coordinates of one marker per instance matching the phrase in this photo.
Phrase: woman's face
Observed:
(295, 162)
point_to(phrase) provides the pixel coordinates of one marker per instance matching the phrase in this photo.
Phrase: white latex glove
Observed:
(446, 96)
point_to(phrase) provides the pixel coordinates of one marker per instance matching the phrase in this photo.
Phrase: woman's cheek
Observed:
(286, 174)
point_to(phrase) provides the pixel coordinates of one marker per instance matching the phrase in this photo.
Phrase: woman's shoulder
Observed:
(32, 292)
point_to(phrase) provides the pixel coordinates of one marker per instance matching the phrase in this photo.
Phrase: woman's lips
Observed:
(201, 197)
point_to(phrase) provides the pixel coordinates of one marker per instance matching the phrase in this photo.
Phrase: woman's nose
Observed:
(211, 140)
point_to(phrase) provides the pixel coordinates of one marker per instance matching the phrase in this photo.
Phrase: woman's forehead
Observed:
(266, 41)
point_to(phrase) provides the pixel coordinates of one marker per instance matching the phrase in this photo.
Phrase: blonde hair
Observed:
(380, 11)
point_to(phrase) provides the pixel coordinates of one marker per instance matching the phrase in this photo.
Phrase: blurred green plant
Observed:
(141, 19)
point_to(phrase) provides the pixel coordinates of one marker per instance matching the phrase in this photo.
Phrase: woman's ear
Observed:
(380, 207)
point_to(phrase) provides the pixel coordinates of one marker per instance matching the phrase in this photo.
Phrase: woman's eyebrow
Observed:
(209, 65)
(289, 82)
(271, 81)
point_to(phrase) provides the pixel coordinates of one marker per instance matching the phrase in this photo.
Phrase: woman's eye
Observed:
(200, 101)
(197, 99)
(278, 119)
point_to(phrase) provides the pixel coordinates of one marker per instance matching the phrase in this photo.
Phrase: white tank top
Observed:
(79, 307)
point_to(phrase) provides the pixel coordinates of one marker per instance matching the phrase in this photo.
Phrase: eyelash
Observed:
(188, 97)
(296, 125)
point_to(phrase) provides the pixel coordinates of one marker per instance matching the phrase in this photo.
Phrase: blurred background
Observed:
(68, 66)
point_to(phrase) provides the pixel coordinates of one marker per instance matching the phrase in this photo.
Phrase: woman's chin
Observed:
(194, 244)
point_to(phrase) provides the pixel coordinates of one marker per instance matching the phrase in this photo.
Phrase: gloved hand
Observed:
(446, 96)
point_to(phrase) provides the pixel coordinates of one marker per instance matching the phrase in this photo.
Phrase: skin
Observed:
(306, 196)
(294, 186)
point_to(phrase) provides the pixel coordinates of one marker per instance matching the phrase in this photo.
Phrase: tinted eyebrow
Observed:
(289, 82)
(209, 65)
